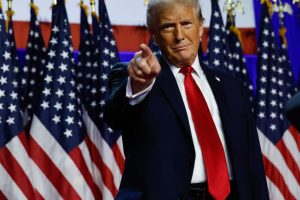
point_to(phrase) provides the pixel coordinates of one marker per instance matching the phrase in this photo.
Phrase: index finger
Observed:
(146, 51)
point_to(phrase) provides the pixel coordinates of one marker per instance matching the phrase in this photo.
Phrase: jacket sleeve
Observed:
(258, 177)
(117, 103)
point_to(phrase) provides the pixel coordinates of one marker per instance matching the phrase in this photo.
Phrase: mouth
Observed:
(180, 48)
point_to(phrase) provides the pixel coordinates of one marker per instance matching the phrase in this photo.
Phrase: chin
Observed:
(186, 59)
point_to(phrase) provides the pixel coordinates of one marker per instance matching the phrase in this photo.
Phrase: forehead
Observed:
(176, 12)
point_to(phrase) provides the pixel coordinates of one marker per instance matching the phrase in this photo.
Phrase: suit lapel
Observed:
(169, 87)
(216, 83)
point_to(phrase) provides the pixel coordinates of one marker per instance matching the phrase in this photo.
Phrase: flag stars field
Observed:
(59, 93)
(70, 120)
(53, 41)
(45, 105)
(3, 80)
(2, 93)
(6, 55)
(50, 66)
(51, 53)
(56, 119)
(64, 54)
(68, 133)
(10, 120)
(58, 106)
(48, 79)
(5, 68)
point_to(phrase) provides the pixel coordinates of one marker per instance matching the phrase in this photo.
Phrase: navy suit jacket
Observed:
(157, 140)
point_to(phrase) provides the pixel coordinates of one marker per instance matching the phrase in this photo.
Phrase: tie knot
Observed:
(186, 70)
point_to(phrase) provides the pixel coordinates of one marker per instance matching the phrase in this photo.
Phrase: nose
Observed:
(179, 33)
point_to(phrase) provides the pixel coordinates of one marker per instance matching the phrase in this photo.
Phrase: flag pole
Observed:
(92, 2)
(9, 13)
(34, 7)
(232, 7)
(85, 7)
(282, 9)
(93, 6)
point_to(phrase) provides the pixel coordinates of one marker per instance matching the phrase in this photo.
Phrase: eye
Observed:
(187, 24)
(167, 27)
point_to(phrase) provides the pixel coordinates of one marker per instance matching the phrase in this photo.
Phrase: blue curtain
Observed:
(292, 24)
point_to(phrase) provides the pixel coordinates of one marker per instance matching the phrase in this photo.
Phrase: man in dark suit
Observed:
(188, 131)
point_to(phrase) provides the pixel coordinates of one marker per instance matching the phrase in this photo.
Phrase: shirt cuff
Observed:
(138, 97)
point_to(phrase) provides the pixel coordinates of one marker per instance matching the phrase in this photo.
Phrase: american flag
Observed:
(280, 143)
(53, 13)
(14, 161)
(237, 62)
(2, 25)
(108, 142)
(60, 149)
(218, 53)
(106, 165)
(285, 60)
(34, 60)
(84, 71)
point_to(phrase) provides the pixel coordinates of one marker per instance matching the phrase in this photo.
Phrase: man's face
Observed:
(177, 31)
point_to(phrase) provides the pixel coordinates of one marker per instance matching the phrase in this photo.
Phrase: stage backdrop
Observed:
(122, 12)
(129, 25)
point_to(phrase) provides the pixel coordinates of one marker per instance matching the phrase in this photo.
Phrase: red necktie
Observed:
(208, 138)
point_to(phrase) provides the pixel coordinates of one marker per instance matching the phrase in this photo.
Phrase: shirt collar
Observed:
(196, 66)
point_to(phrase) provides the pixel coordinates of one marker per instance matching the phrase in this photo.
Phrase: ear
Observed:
(201, 30)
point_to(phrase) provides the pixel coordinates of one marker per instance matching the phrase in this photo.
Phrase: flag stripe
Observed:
(2, 197)
(290, 162)
(275, 194)
(23, 140)
(120, 144)
(19, 149)
(105, 171)
(103, 148)
(118, 156)
(86, 155)
(44, 188)
(276, 177)
(43, 185)
(292, 146)
(55, 176)
(9, 188)
(296, 136)
(77, 157)
(269, 150)
(38, 196)
(59, 159)
(15, 170)
(106, 194)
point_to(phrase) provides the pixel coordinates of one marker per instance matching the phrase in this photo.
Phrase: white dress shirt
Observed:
(199, 174)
